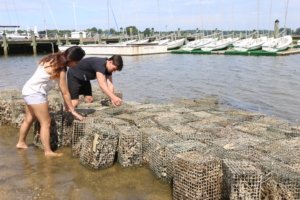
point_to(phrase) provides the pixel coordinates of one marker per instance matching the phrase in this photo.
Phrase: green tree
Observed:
(112, 31)
(297, 32)
(133, 28)
(147, 32)
(288, 30)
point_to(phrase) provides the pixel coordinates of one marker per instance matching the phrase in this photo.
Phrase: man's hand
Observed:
(116, 101)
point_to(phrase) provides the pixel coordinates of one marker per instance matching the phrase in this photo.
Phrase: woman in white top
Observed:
(51, 70)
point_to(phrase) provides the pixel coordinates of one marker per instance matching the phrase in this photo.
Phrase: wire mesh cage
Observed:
(9, 94)
(176, 148)
(17, 111)
(5, 112)
(157, 152)
(282, 182)
(6, 107)
(79, 129)
(130, 146)
(241, 180)
(197, 177)
(105, 101)
(146, 133)
(99, 147)
(56, 129)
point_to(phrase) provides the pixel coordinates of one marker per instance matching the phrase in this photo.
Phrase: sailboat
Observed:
(161, 41)
(198, 44)
(175, 43)
(278, 44)
(218, 44)
(252, 44)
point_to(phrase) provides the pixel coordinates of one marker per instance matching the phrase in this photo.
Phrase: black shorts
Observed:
(78, 87)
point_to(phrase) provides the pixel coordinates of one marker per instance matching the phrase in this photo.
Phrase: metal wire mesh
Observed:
(176, 148)
(105, 101)
(241, 180)
(157, 153)
(6, 107)
(79, 129)
(130, 146)
(287, 179)
(99, 147)
(17, 111)
(197, 177)
(146, 133)
(56, 130)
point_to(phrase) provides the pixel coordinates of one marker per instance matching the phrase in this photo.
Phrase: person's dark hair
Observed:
(74, 53)
(118, 61)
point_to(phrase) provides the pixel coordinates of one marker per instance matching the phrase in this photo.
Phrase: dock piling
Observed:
(80, 38)
(5, 44)
(33, 43)
(58, 40)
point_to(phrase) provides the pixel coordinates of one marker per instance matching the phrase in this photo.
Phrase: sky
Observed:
(162, 15)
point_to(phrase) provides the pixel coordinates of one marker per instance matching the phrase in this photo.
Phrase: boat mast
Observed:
(74, 15)
(258, 16)
(108, 26)
(285, 17)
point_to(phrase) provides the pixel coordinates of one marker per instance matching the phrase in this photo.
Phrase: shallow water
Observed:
(27, 174)
(265, 84)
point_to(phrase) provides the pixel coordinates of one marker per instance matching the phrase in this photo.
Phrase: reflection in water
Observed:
(27, 174)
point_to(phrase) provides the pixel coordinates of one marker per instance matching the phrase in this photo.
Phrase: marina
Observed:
(290, 51)
(110, 46)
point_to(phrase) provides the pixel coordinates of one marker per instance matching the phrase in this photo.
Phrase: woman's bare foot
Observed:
(21, 145)
(53, 154)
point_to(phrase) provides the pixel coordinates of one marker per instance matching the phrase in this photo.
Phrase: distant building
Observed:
(76, 34)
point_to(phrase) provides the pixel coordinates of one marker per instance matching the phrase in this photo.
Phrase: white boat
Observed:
(144, 41)
(190, 45)
(197, 44)
(279, 44)
(298, 42)
(241, 42)
(161, 42)
(175, 44)
(130, 50)
(252, 44)
(218, 45)
(123, 43)
(270, 42)
(16, 36)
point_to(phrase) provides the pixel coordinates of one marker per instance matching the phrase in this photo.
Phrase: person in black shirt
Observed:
(92, 68)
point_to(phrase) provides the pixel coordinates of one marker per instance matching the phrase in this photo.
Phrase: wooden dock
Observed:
(35, 45)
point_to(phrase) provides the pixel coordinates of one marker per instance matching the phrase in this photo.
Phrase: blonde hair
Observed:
(57, 62)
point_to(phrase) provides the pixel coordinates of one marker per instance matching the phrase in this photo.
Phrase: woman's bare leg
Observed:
(24, 129)
(41, 112)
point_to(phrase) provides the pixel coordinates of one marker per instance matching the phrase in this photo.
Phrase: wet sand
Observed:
(27, 174)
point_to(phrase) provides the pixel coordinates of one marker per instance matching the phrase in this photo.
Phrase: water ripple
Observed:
(264, 84)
